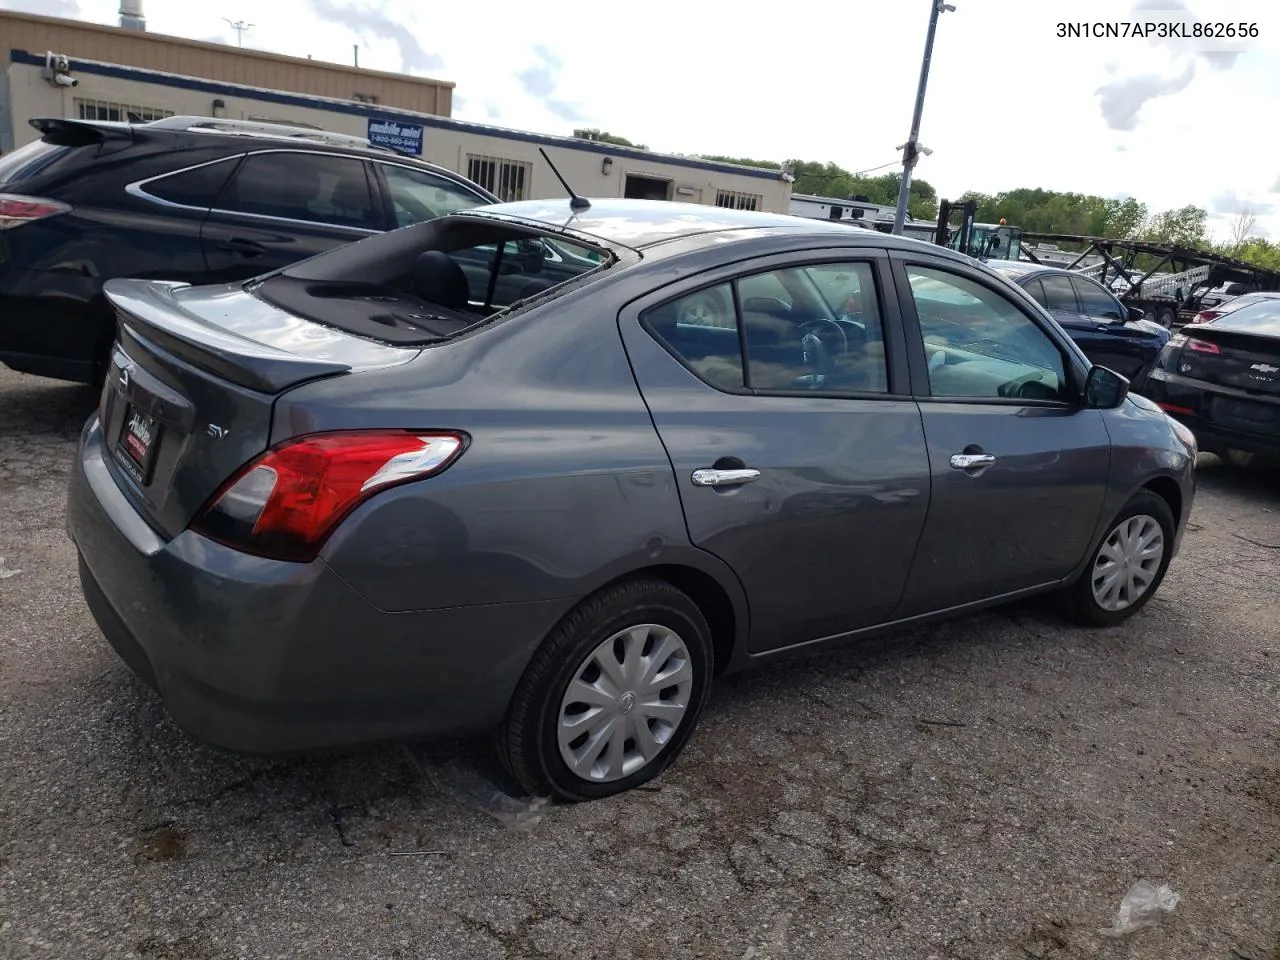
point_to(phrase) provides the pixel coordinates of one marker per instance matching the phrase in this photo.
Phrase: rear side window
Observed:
(1058, 293)
(417, 195)
(197, 187)
(806, 328)
(314, 187)
(29, 161)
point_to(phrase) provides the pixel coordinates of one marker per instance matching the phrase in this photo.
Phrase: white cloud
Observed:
(1010, 104)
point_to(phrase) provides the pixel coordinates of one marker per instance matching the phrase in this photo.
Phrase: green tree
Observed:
(602, 136)
(1185, 226)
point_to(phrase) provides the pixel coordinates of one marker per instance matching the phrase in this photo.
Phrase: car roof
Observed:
(1020, 268)
(642, 223)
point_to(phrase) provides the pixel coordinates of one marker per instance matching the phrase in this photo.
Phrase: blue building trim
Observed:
(385, 113)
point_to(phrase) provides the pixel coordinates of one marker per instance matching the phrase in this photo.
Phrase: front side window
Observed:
(315, 187)
(814, 327)
(1096, 302)
(979, 344)
(417, 195)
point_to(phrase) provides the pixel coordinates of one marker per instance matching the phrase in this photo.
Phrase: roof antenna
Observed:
(575, 202)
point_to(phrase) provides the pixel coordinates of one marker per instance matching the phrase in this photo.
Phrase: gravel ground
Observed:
(984, 789)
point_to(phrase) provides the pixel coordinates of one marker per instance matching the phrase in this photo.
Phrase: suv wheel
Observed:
(611, 696)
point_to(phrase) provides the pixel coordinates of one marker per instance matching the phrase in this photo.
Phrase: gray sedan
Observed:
(425, 485)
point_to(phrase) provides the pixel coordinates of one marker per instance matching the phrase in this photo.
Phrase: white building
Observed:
(115, 73)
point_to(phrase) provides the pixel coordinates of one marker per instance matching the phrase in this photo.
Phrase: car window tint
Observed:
(820, 330)
(1096, 302)
(979, 344)
(197, 187)
(304, 186)
(1058, 293)
(701, 329)
(1034, 288)
(417, 195)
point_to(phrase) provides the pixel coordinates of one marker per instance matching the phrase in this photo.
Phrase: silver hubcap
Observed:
(1127, 563)
(625, 702)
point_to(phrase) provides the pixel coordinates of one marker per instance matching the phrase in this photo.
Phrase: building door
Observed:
(646, 188)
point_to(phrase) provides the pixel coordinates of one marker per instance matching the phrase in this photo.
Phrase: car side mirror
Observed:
(1104, 389)
(1136, 313)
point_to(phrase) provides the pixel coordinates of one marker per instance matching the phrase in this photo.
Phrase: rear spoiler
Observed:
(80, 133)
(149, 311)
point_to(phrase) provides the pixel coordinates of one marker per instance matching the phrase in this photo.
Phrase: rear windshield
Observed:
(431, 281)
(1262, 318)
(29, 161)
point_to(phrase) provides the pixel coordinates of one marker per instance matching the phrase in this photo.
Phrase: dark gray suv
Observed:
(402, 489)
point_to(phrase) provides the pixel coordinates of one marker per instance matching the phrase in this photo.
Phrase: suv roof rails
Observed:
(255, 128)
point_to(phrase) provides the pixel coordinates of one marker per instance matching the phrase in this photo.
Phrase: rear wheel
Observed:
(1128, 565)
(1166, 316)
(612, 695)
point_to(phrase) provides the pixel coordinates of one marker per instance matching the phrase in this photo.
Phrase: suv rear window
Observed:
(197, 187)
(30, 160)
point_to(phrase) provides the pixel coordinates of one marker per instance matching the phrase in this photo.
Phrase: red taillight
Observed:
(1204, 316)
(1202, 346)
(16, 210)
(1174, 408)
(285, 503)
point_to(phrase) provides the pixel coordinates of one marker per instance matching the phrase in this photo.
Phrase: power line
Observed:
(239, 26)
(891, 163)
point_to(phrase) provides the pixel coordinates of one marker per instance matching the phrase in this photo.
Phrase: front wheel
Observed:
(611, 696)
(1127, 566)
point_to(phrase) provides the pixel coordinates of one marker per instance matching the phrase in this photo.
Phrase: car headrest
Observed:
(438, 279)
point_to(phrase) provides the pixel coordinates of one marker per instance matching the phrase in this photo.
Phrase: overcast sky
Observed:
(1009, 103)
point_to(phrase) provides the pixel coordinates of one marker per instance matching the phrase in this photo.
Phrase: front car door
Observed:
(779, 389)
(1019, 467)
(1128, 348)
(282, 206)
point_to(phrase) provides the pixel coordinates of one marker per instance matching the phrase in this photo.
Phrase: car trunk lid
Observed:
(1232, 359)
(193, 379)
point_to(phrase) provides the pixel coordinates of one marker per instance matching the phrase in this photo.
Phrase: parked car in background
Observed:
(1222, 379)
(1230, 306)
(362, 498)
(190, 199)
(1111, 334)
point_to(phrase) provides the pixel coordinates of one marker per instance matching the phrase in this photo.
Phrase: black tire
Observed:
(1166, 317)
(1078, 601)
(527, 739)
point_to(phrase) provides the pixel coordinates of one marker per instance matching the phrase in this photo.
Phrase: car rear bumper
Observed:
(262, 656)
(1187, 400)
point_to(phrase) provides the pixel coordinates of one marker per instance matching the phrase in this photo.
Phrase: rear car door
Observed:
(1128, 348)
(1019, 467)
(282, 206)
(799, 458)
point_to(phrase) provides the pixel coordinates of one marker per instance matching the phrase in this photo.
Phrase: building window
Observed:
(119, 112)
(509, 179)
(738, 201)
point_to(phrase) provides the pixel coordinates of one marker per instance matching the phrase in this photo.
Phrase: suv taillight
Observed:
(15, 210)
(284, 504)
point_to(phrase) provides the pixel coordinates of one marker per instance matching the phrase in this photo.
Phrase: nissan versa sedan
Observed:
(372, 496)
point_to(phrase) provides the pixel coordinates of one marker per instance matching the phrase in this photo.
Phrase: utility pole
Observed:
(911, 149)
(239, 26)
(355, 52)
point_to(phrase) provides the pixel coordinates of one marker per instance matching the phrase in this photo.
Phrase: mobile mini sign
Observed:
(401, 137)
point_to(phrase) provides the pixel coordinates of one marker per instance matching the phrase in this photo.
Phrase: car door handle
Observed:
(968, 461)
(246, 248)
(711, 477)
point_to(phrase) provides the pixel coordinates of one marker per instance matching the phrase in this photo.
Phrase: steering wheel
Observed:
(816, 356)
(822, 325)
(1031, 386)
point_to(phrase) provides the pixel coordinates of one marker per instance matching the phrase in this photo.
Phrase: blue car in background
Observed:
(1111, 334)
